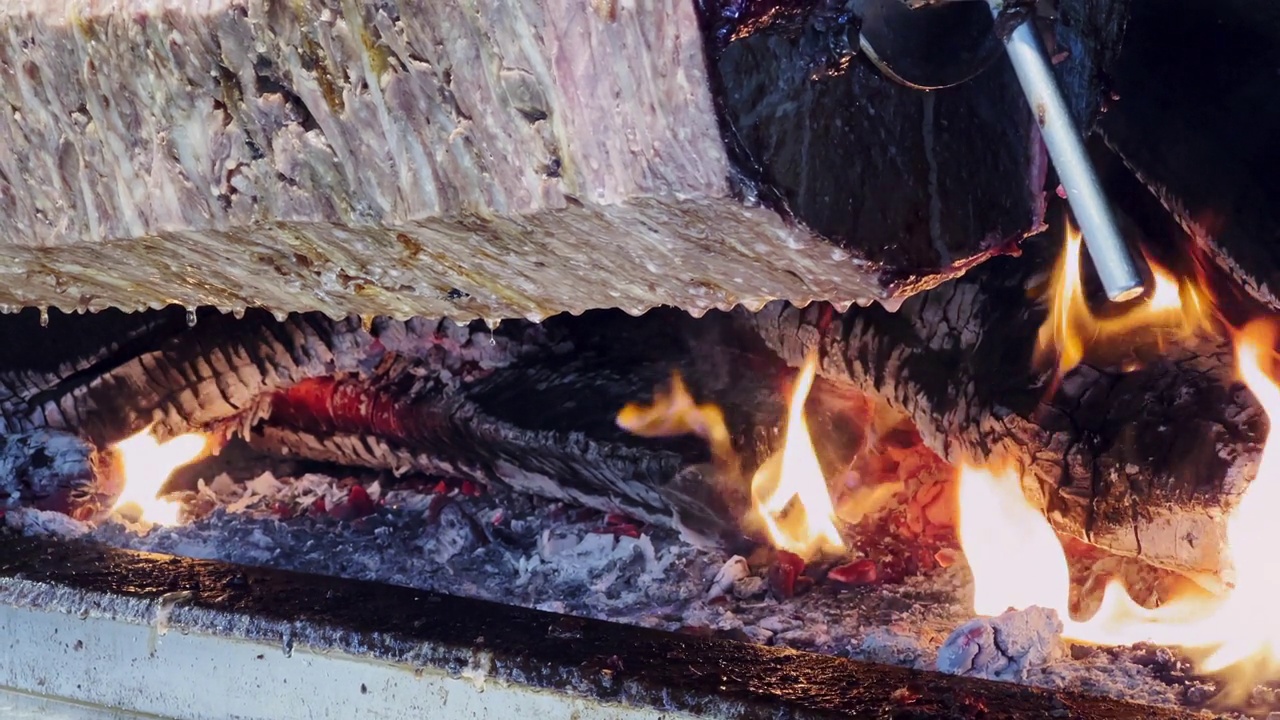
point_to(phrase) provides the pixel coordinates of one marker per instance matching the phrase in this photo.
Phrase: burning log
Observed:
(1146, 462)
(58, 471)
(161, 372)
(529, 405)
(418, 159)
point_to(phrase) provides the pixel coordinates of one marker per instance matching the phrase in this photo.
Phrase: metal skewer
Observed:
(1106, 247)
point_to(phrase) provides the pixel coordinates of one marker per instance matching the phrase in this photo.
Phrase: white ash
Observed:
(515, 549)
(46, 522)
(1005, 647)
(734, 570)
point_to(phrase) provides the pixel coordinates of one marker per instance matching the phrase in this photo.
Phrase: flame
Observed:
(1013, 553)
(789, 492)
(674, 412)
(147, 464)
(1017, 561)
(1173, 309)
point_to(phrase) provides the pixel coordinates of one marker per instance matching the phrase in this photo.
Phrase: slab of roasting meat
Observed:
(511, 158)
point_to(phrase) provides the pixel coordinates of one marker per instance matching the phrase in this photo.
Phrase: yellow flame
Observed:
(674, 412)
(1173, 308)
(1017, 561)
(147, 464)
(789, 491)
(1013, 553)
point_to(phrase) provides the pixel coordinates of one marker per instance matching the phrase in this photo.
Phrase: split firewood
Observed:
(1142, 462)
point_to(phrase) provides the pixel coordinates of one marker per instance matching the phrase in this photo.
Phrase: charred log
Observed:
(166, 372)
(1143, 463)
(547, 424)
(1205, 143)
(566, 446)
(533, 406)
(57, 471)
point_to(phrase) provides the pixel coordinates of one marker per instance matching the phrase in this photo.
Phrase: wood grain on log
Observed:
(506, 159)
(1142, 463)
(546, 423)
(177, 376)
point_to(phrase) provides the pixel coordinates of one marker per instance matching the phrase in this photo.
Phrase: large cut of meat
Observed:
(1206, 143)
(508, 158)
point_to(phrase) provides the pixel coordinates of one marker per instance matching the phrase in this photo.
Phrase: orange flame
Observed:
(1016, 559)
(789, 492)
(674, 412)
(1013, 553)
(790, 498)
(1173, 309)
(147, 464)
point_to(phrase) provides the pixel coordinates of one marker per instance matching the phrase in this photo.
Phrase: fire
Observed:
(789, 493)
(674, 412)
(147, 464)
(1174, 309)
(1017, 561)
(1013, 553)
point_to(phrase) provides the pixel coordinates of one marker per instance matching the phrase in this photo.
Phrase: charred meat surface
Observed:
(1194, 115)
(818, 131)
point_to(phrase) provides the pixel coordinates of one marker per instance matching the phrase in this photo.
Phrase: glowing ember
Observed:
(789, 491)
(147, 465)
(1174, 309)
(1017, 561)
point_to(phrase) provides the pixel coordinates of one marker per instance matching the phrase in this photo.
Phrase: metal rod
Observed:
(1107, 248)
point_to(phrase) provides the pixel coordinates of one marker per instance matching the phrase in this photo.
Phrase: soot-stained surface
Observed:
(515, 549)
